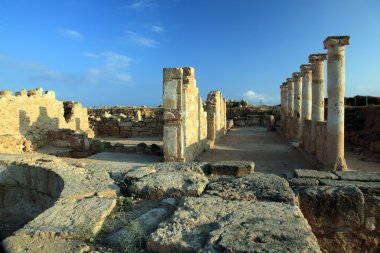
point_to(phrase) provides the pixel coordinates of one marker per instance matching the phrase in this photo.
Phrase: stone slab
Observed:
(71, 219)
(366, 176)
(233, 168)
(211, 224)
(294, 182)
(314, 174)
(259, 186)
(372, 188)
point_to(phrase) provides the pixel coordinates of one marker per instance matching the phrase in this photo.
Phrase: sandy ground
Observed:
(268, 150)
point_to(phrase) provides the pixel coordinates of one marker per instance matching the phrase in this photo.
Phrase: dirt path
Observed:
(268, 150)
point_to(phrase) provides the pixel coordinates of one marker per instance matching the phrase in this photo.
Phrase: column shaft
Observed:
(318, 95)
(289, 124)
(335, 89)
(297, 76)
(306, 99)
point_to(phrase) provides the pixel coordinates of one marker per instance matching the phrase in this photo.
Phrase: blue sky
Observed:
(111, 52)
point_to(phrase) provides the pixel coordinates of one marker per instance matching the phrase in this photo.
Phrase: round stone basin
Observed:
(25, 192)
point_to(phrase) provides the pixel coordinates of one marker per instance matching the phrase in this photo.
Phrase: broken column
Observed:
(216, 116)
(184, 119)
(284, 107)
(306, 98)
(318, 95)
(289, 122)
(336, 76)
(297, 77)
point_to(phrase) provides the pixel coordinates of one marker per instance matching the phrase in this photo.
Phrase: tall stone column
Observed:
(306, 97)
(284, 107)
(317, 95)
(336, 78)
(289, 130)
(297, 76)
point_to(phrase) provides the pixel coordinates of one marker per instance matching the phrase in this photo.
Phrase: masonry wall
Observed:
(216, 116)
(122, 121)
(27, 118)
(185, 128)
(307, 141)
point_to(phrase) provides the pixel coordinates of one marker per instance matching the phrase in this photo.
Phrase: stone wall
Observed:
(307, 141)
(29, 117)
(127, 121)
(252, 115)
(185, 122)
(216, 116)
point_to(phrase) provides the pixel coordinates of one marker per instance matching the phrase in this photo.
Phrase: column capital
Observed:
(331, 41)
(317, 58)
(305, 68)
(289, 80)
(284, 83)
(297, 75)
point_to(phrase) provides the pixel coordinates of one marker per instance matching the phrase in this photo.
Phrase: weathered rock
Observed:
(327, 205)
(372, 188)
(211, 224)
(174, 184)
(71, 219)
(233, 168)
(137, 173)
(23, 243)
(314, 174)
(337, 217)
(294, 182)
(260, 186)
(359, 176)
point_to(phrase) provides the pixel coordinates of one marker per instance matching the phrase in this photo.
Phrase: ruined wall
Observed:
(321, 148)
(29, 116)
(252, 115)
(184, 119)
(307, 141)
(124, 122)
(216, 116)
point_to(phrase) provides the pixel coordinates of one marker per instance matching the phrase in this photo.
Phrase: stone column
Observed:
(284, 106)
(297, 76)
(289, 124)
(306, 97)
(318, 95)
(336, 75)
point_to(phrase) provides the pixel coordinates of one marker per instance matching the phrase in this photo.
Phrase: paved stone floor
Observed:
(268, 150)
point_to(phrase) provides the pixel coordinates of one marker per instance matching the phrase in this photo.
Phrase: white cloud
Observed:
(256, 98)
(157, 29)
(71, 34)
(142, 4)
(140, 40)
(113, 68)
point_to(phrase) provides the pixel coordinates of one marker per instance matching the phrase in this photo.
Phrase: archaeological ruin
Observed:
(194, 175)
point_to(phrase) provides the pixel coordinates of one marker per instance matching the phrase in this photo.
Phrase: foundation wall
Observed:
(307, 140)
(29, 116)
(321, 141)
(123, 123)
(185, 128)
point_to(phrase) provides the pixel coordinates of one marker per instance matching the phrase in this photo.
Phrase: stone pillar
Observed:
(306, 97)
(336, 76)
(284, 106)
(297, 76)
(318, 95)
(289, 122)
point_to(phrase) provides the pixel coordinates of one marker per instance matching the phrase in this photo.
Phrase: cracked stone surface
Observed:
(211, 224)
(259, 186)
(372, 188)
(359, 176)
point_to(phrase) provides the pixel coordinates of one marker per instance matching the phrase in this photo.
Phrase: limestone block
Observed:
(259, 186)
(6, 93)
(208, 223)
(49, 94)
(305, 173)
(233, 168)
(21, 93)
